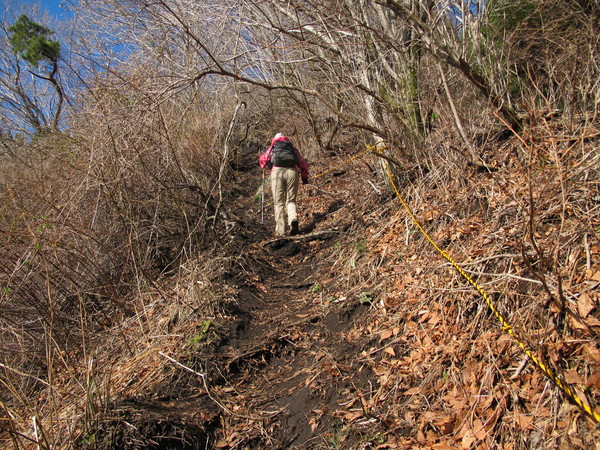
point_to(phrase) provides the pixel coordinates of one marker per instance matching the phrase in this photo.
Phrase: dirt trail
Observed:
(290, 365)
(284, 370)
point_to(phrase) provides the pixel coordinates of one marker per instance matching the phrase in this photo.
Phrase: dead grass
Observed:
(435, 367)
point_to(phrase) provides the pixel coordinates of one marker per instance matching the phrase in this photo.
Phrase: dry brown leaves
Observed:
(447, 375)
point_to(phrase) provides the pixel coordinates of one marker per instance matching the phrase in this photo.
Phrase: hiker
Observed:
(287, 166)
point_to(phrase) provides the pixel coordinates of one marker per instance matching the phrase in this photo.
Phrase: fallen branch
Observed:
(317, 235)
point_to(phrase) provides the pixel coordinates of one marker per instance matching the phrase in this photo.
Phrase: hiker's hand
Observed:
(304, 180)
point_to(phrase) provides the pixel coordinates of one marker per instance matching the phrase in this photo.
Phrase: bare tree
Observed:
(359, 60)
(549, 50)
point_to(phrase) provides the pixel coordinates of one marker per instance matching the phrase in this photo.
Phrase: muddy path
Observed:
(290, 373)
(291, 367)
(284, 369)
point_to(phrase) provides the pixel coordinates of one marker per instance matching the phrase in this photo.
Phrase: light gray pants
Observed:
(284, 183)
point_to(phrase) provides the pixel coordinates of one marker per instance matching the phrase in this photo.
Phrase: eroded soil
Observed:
(284, 372)
(358, 335)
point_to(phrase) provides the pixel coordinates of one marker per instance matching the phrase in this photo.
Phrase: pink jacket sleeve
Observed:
(302, 165)
(264, 159)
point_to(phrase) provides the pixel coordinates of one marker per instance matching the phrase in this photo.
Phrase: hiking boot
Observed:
(294, 225)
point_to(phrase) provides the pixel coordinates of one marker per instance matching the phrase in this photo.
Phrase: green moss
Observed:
(88, 439)
(205, 335)
(365, 297)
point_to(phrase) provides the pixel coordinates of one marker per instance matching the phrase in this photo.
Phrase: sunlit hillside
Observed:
(441, 292)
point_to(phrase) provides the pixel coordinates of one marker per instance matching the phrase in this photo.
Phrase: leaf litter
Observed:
(368, 338)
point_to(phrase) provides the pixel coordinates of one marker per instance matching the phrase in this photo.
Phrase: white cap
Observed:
(278, 135)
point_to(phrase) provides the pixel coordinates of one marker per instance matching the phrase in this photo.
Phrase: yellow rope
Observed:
(553, 376)
(548, 371)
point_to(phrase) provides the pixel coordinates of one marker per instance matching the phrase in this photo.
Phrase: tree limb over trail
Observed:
(271, 87)
(324, 235)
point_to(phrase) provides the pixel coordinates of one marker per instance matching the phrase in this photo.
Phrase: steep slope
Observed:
(272, 364)
(358, 334)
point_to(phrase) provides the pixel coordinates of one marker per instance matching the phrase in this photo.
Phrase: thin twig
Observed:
(588, 255)
(203, 376)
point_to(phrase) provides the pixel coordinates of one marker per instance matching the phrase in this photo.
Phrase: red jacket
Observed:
(302, 166)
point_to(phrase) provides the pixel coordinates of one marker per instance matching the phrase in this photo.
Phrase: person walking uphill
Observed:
(287, 165)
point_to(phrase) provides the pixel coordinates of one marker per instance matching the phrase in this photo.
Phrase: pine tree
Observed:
(32, 42)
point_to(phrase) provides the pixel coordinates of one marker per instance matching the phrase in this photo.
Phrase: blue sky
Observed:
(53, 6)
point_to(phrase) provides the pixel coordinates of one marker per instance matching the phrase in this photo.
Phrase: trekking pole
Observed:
(262, 200)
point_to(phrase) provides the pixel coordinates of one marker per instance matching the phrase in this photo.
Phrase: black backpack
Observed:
(283, 154)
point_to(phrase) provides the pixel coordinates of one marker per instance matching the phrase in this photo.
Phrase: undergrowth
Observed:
(441, 370)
